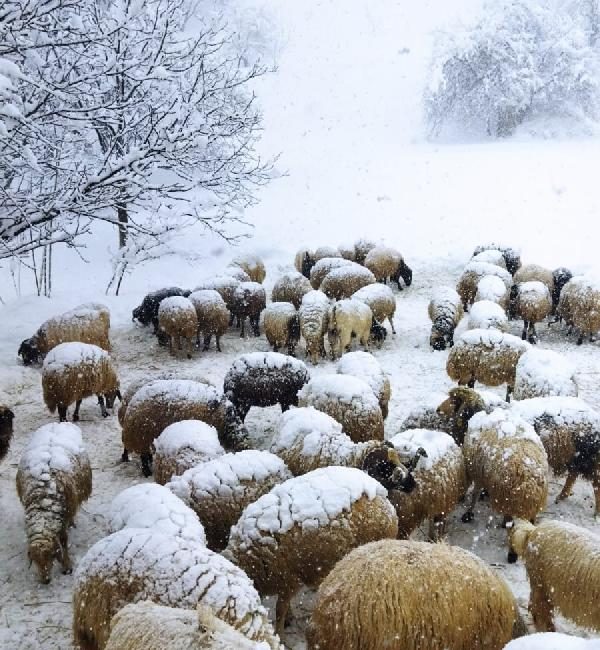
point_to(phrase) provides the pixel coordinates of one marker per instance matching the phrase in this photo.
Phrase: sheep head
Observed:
(383, 464)
(460, 406)
(378, 333)
(518, 537)
(111, 396)
(42, 552)
(29, 351)
(404, 272)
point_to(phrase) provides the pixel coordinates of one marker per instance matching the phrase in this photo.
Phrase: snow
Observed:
(283, 308)
(445, 294)
(506, 423)
(492, 338)
(351, 271)
(564, 411)
(218, 282)
(314, 297)
(490, 256)
(193, 435)
(206, 298)
(437, 444)
(325, 265)
(70, 354)
(485, 314)
(174, 304)
(52, 447)
(364, 366)
(375, 291)
(174, 390)
(264, 361)
(533, 290)
(481, 269)
(544, 372)
(552, 641)
(343, 388)
(490, 287)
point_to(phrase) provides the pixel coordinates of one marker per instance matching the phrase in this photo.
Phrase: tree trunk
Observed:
(123, 219)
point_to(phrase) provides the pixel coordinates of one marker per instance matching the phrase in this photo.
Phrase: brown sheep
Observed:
(321, 268)
(342, 282)
(532, 302)
(385, 262)
(249, 300)
(472, 274)
(212, 315)
(282, 326)
(177, 318)
(458, 409)
(291, 287)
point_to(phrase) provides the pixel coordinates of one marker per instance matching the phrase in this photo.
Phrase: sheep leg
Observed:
(469, 513)
(437, 527)
(125, 456)
(146, 462)
(524, 332)
(596, 486)
(391, 322)
(218, 339)
(243, 326)
(65, 560)
(509, 390)
(471, 383)
(255, 327)
(532, 333)
(102, 406)
(62, 413)
(568, 487)
(541, 608)
(76, 411)
(198, 338)
(283, 606)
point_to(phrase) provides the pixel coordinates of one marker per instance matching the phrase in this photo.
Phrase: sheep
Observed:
(6, 430)
(445, 311)
(183, 445)
(74, 371)
(586, 307)
(347, 251)
(282, 326)
(506, 457)
(224, 285)
(177, 318)
(146, 626)
(291, 287)
(88, 323)
(321, 268)
(440, 481)
(366, 367)
(136, 564)
(532, 302)
(295, 533)
(314, 322)
(344, 281)
(488, 356)
(385, 263)
(566, 302)
(264, 379)
(541, 373)
(563, 570)
(212, 315)
(220, 489)
(485, 314)
(350, 401)
(460, 406)
(472, 274)
(490, 256)
(361, 250)
(414, 596)
(552, 641)
(253, 266)
(249, 299)
(304, 261)
(53, 479)
(155, 508)
(381, 301)
(535, 273)
(570, 432)
(560, 277)
(491, 287)
(348, 318)
(512, 257)
(147, 311)
(326, 251)
(165, 401)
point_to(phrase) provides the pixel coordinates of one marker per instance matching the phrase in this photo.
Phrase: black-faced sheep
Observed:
(212, 315)
(560, 276)
(304, 261)
(445, 311)
(512, 257)
(314, 321)
(163, 402)
(486, 314)
(291, 287)
(563, 567)
(89, 323)
(74, 371)
(6, 430)
(253, 266)
(295, 533)
(380, 300)
(472, 274)
(219, 490)
(532, 302)
(385, 263)
(53, 479)
(177, 319)
(342, 282)
(412, 595)
(249, 299)
(366, 367)
(147, 311)
(139, 564)
(348, 318)
(542, 373)
(325, 266)
(264, 379)
(282, 326)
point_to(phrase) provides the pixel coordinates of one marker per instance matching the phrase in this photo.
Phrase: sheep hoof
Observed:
(146, 471)
(512, 557)
(75, 417)
(67, 571)
(104, 414)
(124, 458)
(467, 517)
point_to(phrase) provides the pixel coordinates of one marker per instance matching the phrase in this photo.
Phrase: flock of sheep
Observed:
(333, 503)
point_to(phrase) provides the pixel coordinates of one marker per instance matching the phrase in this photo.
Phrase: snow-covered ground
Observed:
(343, 109)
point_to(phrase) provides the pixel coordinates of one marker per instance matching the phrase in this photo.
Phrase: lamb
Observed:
(88, 323)
(541, 373)
(505, 456)
(472, 274)
(295, 533)
(184, 445)
(314, 322)
(146, 626)
(532, 302)
(552, 641)
(253, 266)
(560, 276)
(282, 326)
(440, 481)
(348, 318)
(380, 300)
(385, 263)
(177, 318)
(304, 261)
(348, 400)
(485, 314)
(445, 311)
(163, 402)
(74, 371)
(249, 299)
(361, 249)
(488, 356)
(512, 257)
(563, 569)
(139, 564)
(344, 281)
(291, 287)
(224, 285)
(424, 586)
(491, 287)
(264, 379)
(212, 315)
(219, 490)
(6, 430)
(364, 366)
(53, 479)
(324, 266)
(147, 311)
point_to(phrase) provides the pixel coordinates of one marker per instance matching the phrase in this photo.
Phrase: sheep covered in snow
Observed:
(461, 405)
(361, 249)
(490, 256)
(212, 314)
(366, 367)
(139, 564)
(304, 261)
(291, 287)
(281, 323)
(342, 282)
(512, 257)
(264, 379)
(348, 318)
(412, 595)
(88, 323)
(350, 401)
(147, 311)
(445, 311)
(491, 287)
(249, 299)
(485, 314)
(541, 373)
(165, 401)
(584, 298)
(472, 274)
(253, 266)
(295, 533)
(439, 477)
(385, 262)
(314, 321)
(532, 302)
(380, 300)
(534, 273)
(73, 371)
(219, 490)
(177, 319)
(183, 445)
(6, 430)
(323, 267)
(53, 479)
(552, 641)
(562, 562)
(487, 356)
(560, 276)
(326, 251)
(224, 285)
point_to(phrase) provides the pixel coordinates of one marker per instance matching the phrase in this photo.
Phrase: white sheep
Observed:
(291, 287)
(366, 367)
(177, 318)
(326, 251)
(381, 301)
(282, 326)
(485, 314)
(491, 287)
(212, 314)
(348, 318)
(445, 311)
(342, 282)
(531, 301)
(541, 373)
(314, 320)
